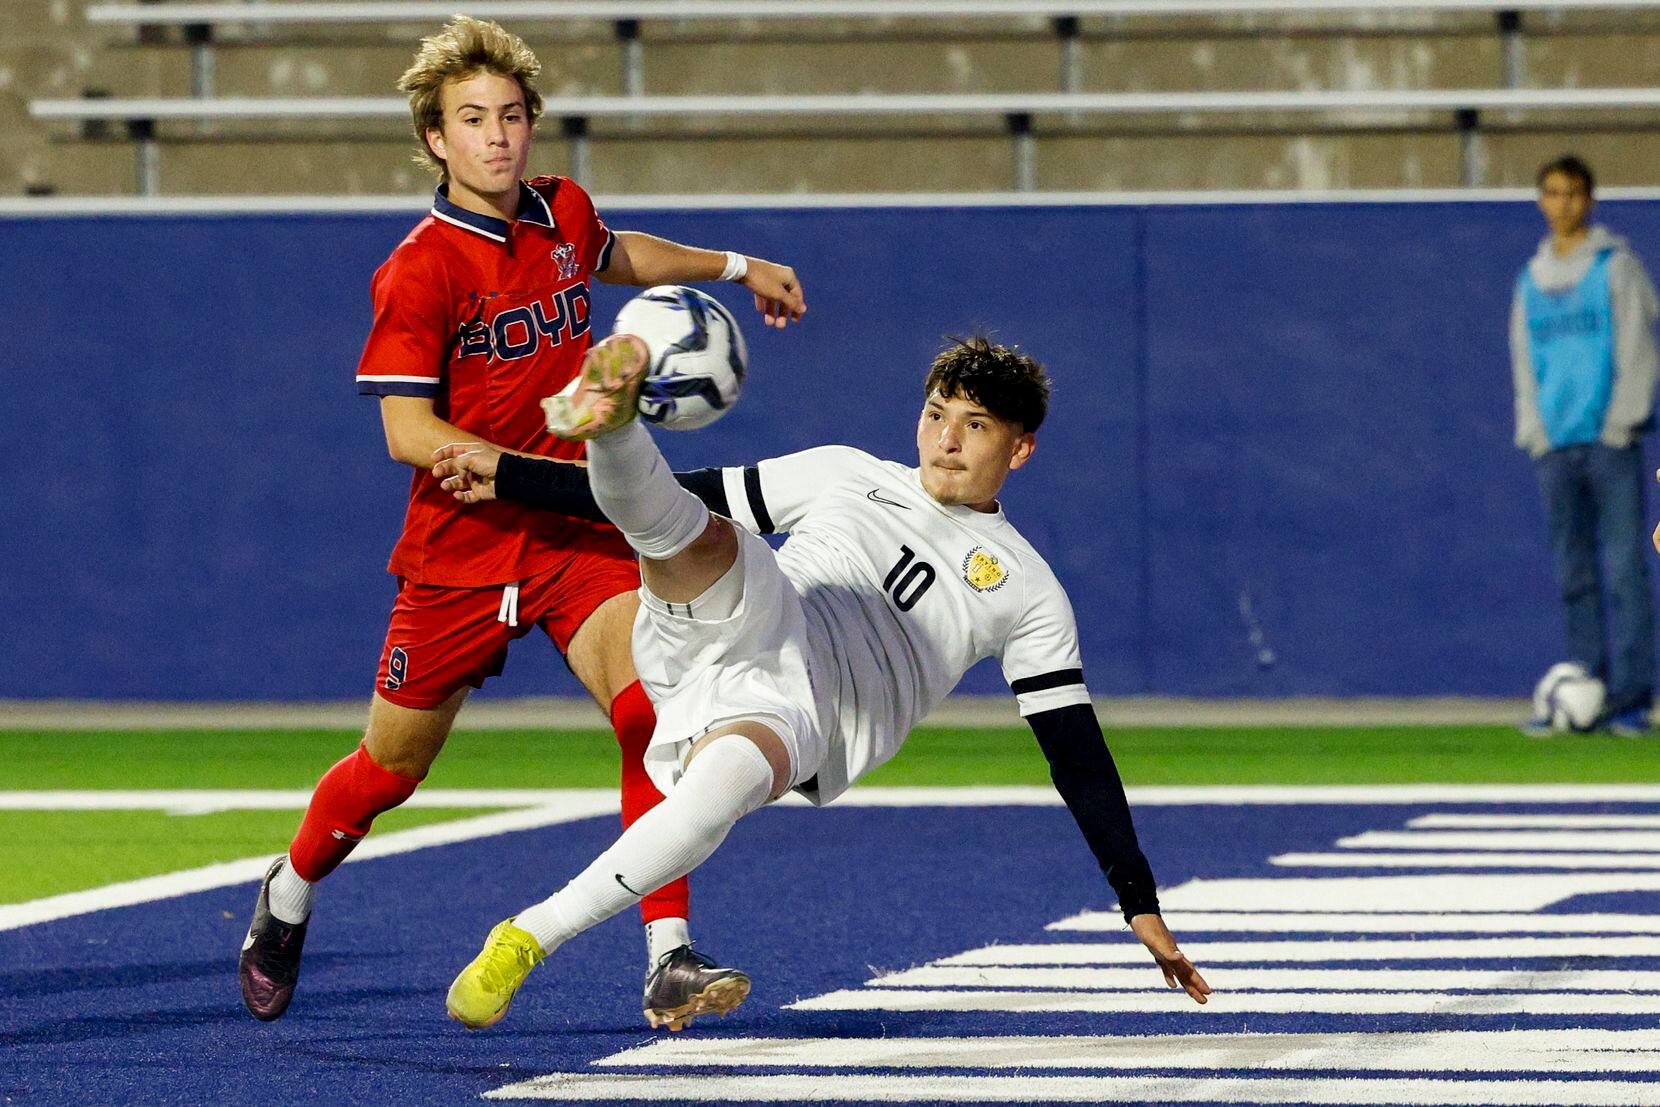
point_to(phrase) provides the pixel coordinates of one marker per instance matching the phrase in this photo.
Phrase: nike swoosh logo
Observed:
(875, 497)
(626, 888)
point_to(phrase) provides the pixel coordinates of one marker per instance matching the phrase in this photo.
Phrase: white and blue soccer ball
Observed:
(697, 354)
(1570, 697)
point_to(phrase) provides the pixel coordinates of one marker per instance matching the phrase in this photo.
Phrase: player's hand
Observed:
(1179, 972)
(467, 470)
(778, 295)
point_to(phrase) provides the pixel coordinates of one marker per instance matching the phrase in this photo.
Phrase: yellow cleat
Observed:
(481, 993)
(604, 394)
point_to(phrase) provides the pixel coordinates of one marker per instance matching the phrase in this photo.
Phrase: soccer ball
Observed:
(697, 355)
(1570, 697)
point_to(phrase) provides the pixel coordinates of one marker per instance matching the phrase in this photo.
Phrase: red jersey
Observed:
(487, 317)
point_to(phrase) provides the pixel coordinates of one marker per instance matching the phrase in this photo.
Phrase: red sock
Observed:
(342, 807)
(633, 719)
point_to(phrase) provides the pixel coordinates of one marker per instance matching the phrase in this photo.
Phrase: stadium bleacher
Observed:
(672, 96)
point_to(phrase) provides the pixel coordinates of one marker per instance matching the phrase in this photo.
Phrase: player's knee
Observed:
(406, 760)
(753, 749)
(405, 740)
(734, 766)
(692, 570)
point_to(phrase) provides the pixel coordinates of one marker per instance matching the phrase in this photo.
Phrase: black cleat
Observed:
(686, 984)
(270, 964)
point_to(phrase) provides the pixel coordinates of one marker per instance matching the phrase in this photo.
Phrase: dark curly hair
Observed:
(1007, 383)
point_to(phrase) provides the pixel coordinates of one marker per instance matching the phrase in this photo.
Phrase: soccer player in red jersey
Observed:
(479, 313)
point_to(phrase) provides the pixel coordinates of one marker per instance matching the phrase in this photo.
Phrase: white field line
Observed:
(1446, 1051)
(864, 1088)
(1534, 821)
(559, 805)
(1212, 953)
(974, 796)
(131, 892)
(1599, 862)
(1313, 922)
(1439, 892)
(1155, 998)
(1281, 980)
(203, 801)
(1617, 841)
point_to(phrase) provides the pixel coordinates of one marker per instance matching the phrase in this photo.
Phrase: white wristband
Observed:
(737, 267)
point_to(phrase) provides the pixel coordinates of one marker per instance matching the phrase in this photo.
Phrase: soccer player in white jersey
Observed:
(806, 667)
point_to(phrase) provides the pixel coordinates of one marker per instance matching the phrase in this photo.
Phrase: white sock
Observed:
(665, 936)
(730, 778)
(636, 489)
(290, 896)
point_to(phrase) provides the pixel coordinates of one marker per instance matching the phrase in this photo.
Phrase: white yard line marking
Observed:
(977, 796)
(864, 1088)
(131, 892)
(1602, 862)
(1131, 953)
(1578, 1051)
(1534, 821)
(1267, 922)
(1229, 979)
(1068, 977)
(1156, 999)
(1504, 892)
(1586, 840)
(203, 800)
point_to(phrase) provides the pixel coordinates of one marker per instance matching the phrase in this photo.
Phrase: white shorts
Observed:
(703, 673)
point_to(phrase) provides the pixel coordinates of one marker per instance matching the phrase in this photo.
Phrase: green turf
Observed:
(45, 853)
(588, 758)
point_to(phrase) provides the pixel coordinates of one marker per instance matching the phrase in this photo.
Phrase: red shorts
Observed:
(444, 638)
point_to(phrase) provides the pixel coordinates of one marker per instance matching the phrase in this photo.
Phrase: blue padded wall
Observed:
(1278, 461)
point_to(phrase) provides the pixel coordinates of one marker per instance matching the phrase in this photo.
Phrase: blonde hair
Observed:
(465, 48)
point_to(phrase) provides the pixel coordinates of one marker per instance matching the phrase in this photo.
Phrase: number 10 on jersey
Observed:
(908, 579)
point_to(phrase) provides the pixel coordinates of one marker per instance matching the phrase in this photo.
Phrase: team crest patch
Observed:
(564, 257)
(983, 571)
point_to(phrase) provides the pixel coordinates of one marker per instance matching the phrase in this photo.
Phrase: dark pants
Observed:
(1594, 500)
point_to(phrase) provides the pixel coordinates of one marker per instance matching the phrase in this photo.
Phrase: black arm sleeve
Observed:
(563, 487)
(1084, 774)
(550, 485)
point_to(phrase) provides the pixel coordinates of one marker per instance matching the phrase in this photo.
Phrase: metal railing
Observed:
(370, 11)
(198, 22)
(1017, 111)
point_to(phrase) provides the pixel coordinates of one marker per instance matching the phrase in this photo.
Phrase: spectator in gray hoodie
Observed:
(1583, 356)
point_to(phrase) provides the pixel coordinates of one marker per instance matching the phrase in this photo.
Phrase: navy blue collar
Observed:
(533, 208)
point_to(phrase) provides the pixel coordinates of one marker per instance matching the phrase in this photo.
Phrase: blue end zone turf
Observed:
(141, 1004)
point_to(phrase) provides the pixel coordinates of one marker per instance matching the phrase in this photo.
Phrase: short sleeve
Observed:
(774, 496)
(409, 341)
(1040, 657)
(581, 225)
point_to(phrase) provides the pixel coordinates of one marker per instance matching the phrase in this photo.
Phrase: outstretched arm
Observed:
(643, 259)
(1087, 779)
(476, 471)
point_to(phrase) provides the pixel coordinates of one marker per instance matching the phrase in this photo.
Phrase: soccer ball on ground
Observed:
(1570, 697)
(697, 355)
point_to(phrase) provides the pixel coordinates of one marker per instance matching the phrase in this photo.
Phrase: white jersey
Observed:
(902, 595)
